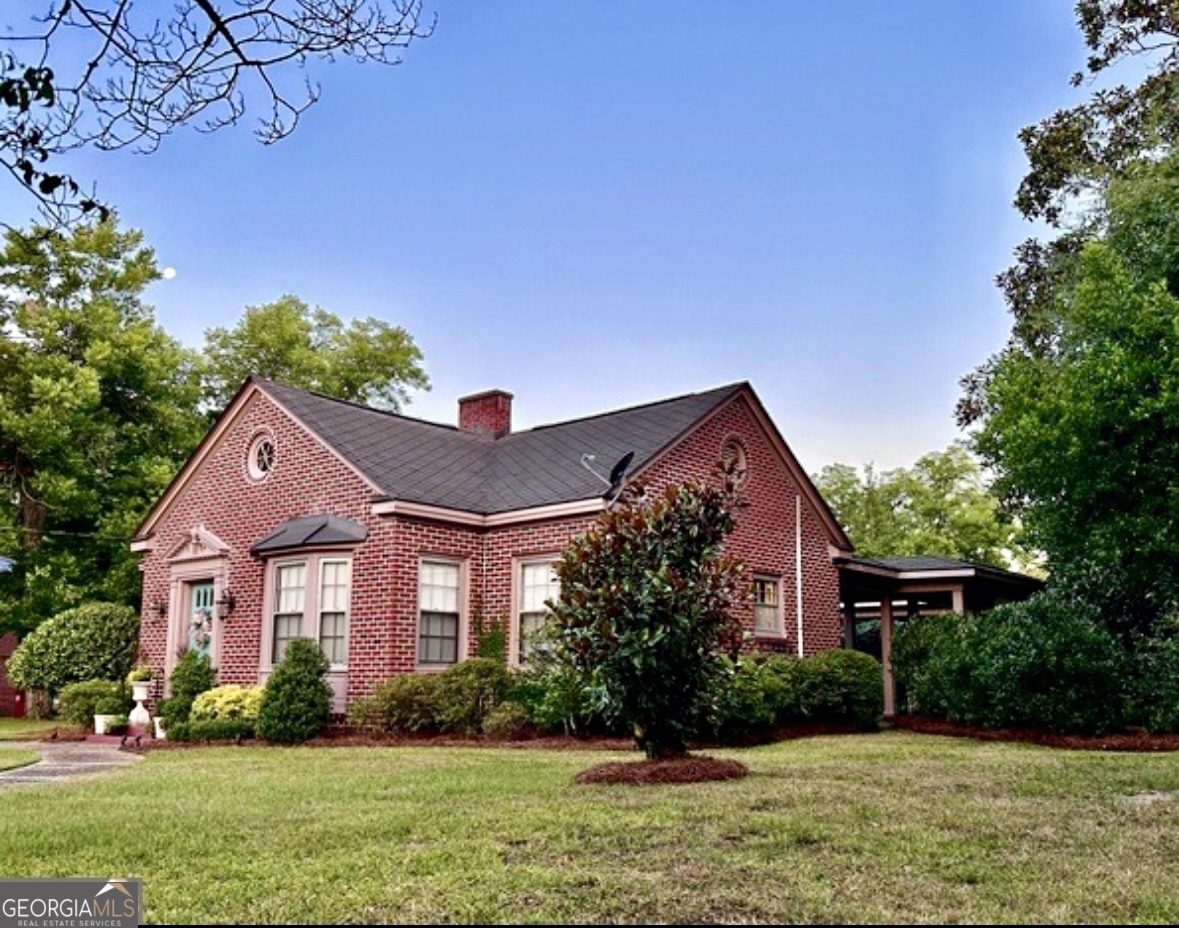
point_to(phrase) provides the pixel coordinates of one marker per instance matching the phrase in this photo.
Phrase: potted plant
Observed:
(107, 711)
(140, 679)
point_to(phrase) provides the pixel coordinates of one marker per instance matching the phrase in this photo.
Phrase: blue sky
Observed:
(594, 205)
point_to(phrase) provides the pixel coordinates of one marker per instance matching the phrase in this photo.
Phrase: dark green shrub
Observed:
(111, 705)
(211, 730)
(467, 692)
(78, 702)
(842, 686)
(1156, 684)
(557, 699)
(297, 700)
(782, 680)
(739, 701)
(192, 675)
(1046, 662)
(95, 641)
(402, 705)
(506, 722)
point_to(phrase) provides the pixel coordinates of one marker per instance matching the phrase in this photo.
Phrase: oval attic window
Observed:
(261, 460)
(733, 457)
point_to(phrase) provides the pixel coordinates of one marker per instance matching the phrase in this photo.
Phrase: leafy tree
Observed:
(1084, 439)
(1083, 147)
(941, 505)
(644, 612)
(95, 641)
(367, 361)
(97, 409)
(111, 74)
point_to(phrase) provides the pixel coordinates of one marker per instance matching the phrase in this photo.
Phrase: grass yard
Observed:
(896, 827)
(17, 757)
(25, 729)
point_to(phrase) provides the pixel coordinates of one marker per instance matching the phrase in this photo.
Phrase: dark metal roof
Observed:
(932, 564)
(439, 465)
(311, 530)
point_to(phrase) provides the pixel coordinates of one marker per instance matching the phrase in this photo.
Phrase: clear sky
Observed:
(594, 205)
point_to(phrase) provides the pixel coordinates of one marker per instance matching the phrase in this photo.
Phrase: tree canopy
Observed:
(941, 505)
(365, 361)
(1077, 415)
(97, 407)
(111, 74)
(1083, 147)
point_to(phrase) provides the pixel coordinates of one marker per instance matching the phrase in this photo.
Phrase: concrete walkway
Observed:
(65, 760)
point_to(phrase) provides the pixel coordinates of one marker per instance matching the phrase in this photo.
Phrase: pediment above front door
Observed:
(198, 544)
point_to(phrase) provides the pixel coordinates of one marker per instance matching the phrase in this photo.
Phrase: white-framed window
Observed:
(767, 605)
(537, 584)
(261, 456)
(440, 584)
(310, 598)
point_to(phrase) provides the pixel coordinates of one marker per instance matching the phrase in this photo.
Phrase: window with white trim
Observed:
(311, 599)
(767, 605)
(439, 616)
(538, 584)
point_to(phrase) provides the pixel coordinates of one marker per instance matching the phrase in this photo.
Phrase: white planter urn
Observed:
(139, 716)
(141, 690)
(102, 723)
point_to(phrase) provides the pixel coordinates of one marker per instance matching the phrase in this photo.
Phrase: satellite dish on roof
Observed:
(617, 478)
(619, 471)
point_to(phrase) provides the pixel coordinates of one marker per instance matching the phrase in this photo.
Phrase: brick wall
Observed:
(309, 479)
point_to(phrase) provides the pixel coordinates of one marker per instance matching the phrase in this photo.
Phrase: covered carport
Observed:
(879, 592)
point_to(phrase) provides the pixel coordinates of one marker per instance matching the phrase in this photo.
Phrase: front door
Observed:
(200, 624)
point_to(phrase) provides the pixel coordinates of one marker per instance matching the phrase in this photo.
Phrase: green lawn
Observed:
(17, 757)
(25, 729)
(881, 828)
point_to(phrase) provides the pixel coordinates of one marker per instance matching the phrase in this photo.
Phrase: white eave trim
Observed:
(139, 545)
(407, 509)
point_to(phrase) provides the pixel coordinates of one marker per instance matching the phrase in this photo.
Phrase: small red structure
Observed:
(12, 700)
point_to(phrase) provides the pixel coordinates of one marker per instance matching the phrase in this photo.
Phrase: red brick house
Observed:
(389, 539)
(9, 704)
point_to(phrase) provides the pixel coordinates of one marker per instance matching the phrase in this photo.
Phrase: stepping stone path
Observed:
(65, 760)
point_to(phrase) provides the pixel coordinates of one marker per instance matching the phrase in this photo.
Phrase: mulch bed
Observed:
(695, 768)
(1124, 741)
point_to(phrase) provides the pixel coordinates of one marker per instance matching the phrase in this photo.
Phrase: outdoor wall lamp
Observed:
(160, 608)
(226, 604)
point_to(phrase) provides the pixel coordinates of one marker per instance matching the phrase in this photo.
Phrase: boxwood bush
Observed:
(842, 686)
(192, 675)
(402, 705)
(297, 700)
(95, 641)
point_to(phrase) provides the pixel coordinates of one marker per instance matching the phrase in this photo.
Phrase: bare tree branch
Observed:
(114, 74)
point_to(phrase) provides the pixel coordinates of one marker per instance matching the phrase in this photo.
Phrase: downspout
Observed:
(798, 567)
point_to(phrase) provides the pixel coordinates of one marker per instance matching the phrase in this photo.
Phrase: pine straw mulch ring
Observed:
(692, 768)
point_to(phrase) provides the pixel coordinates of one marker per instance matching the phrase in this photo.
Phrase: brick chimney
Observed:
(488, 413)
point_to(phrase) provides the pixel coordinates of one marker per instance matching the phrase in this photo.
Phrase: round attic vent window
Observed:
(261, 458)
(733, 456)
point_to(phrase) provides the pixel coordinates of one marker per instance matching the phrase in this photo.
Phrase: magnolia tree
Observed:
(645, 609)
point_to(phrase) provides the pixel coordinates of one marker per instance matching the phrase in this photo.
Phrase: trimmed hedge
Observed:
(1045, 662)
(212, 730)
(95, 641)
(227, 702)
(759, 692)
(79, 702)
